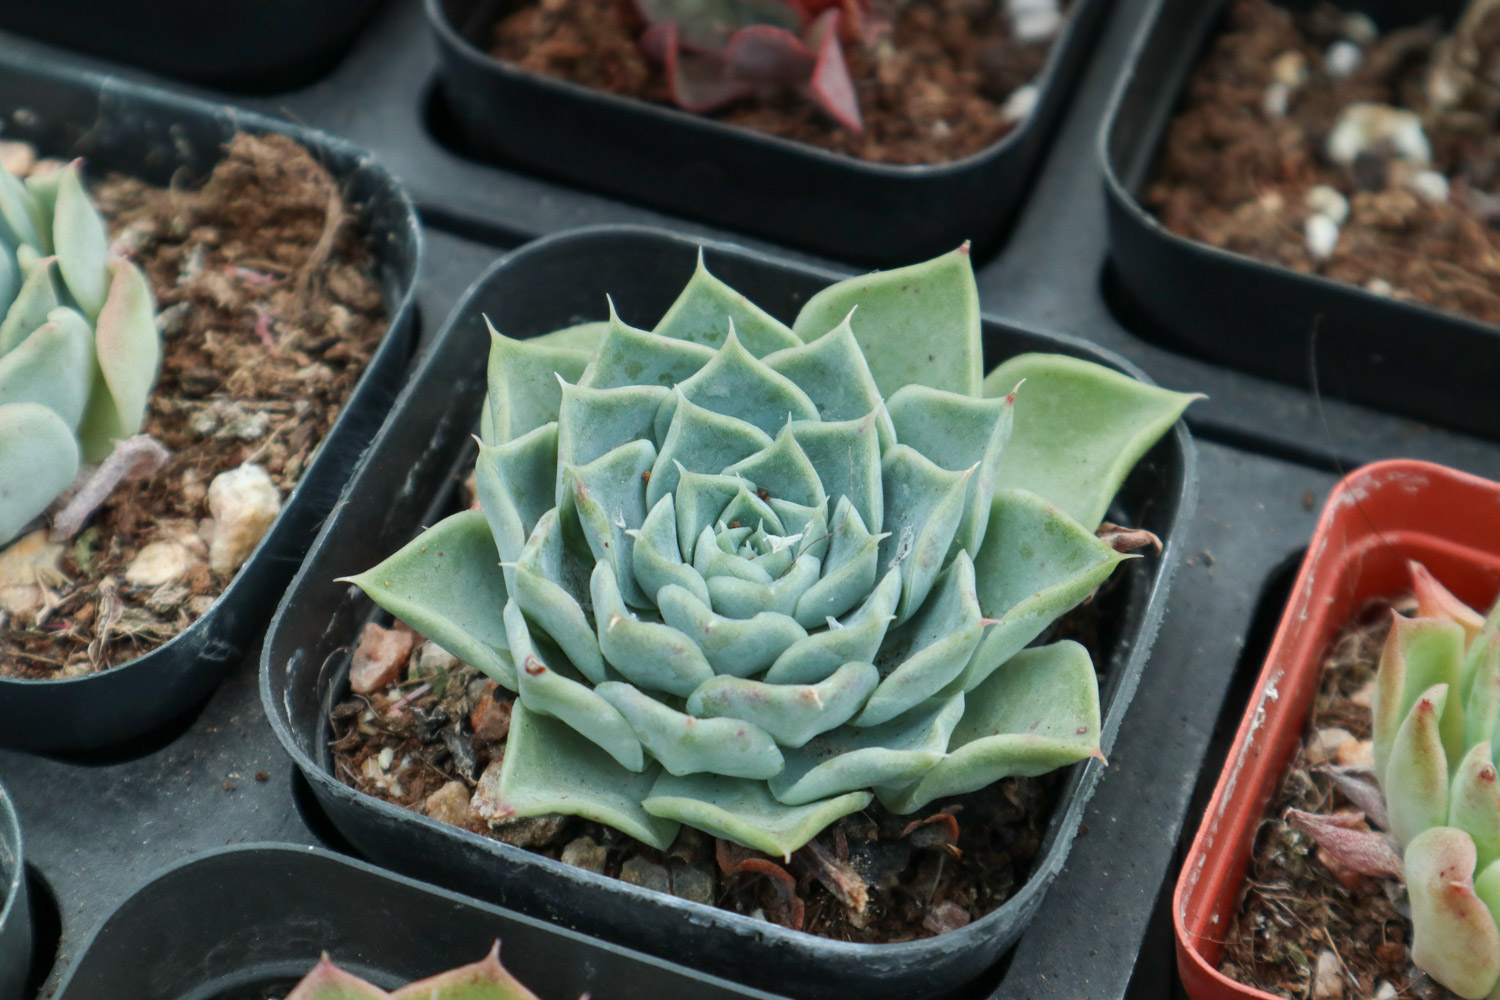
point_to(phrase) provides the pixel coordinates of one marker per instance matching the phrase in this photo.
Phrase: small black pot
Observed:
(702, 168)
(245, 923)
(1312, 331)
(163, 138)
(259, 46)
(406, 483)
(15, 908)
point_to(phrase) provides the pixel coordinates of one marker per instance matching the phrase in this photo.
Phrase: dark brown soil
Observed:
(1235, 177)
(1294, 907)
(424, 741)
(270, 310)
(930, 91)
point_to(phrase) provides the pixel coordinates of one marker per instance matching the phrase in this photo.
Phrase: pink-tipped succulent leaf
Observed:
(1347, 837)
(484, 980)
(1454, 938)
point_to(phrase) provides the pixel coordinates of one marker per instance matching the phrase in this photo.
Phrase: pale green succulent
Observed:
(79, 349)
(484, 980)
(1436, 709)
(747, 577)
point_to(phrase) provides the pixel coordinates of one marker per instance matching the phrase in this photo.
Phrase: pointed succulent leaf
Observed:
(594, 422)
(1436, 601)
(1482, 707)
(551, 692)
(43, 190)
(857, 638)
(128, 347)
(1454, 939)
(514, 481)
(21, 216)
(653, 656)
(657, 559)
(767, 56)
(846, 454)
(894, 754)
(831, 85)
(1418, 654)
(706, 309)
(328, 982)
(36, 299)
(523, 382)
(1102, 420)
(923, 506)
(745, 812)
(957, 433)
(584, 337)
(608, 498)
(1416, 776)
(737, 384)
(736, 598)
(1474, 802)
(545, 578)
(631, 357)
(850, 569)
(717, 555)
(446, 583)
(1347, 837)
(835, 375)
(783, 470)
(1060, 564)
(81, 243)
(685, 744)
(697, 80)
(54, 366)
(734, 647)
(549, 768)
(1037, 713)
(38, 459)
(791, 713)
(917, 324)
(484, 980)
(701, 498)
(1360, 787)
(702, 441)
(714, 18)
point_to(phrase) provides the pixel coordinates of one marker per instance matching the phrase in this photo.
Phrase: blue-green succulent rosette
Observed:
(748, 577)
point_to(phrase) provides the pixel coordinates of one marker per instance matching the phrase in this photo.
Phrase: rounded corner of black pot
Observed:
(15, 907)
(148, 132)
(241, 46)
(528, 292)
(701, 168)
(1329, 337)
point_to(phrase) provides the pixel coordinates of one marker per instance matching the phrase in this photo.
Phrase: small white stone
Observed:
(1342, 59)
(1386, 990)
(1359, 28)
(1325, 200)
(1276, 101)
(432, 659)
(1034, 27)
(1328, 978)
(159, 563)
(1430, 185)
(1322, 236)
(1290, 68)
(1362, 127)
(243, 502)
(1356, 753)
(1020, 104)
(1326, 743)
(28, 565)
(1380, 287)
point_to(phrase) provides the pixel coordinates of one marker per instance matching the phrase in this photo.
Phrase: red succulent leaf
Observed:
(831, 85)
(697, 81)
(765, 56)
(1345, 836)
(1360, 787)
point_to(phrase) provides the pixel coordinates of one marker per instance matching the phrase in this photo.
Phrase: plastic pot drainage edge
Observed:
(237, 923)
(1377, 518)
(260, 46)
(703, 168)
(555, 282)
(1262, 318)
(155, 135)
(15, 908)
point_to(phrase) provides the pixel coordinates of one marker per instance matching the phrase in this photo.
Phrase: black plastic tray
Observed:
(243, 45)
(15, 907)
(247, 922)
(165, 138)
(1235, 310)
(552, 283)
(704, 168)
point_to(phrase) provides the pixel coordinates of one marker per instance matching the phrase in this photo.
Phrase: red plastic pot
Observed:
(1376, 519)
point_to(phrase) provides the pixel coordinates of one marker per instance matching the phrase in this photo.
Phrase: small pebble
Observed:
(1290, 69)
(1356, 753)
(646, 874)
(694, 882)
(450, 804)
(159, 563)
(1278, 98)
(1359, 28)
(1326, 743)
(432, 659)
(1342, 59)
(1364, 127)
(490, 719)
(1034, 21)
(1380, 287)
(1365, 696)
(1322, 236)
(1386, 990)
(1328, 979)
(586, 853)
(30, 559)
(1020, 104)
(1430, 185)
(1328, 201)
(379, 658)
(243, 502)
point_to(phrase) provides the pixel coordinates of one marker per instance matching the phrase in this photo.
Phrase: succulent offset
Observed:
(715, 52)
(748, 577)
(79, 349)
(484, 980)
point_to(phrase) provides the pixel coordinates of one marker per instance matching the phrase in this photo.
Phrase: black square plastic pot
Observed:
(15, 909)
(246, 923)
(702, 168)
(407, 483)
(243, 45)
(163, 139)
(1305, 329)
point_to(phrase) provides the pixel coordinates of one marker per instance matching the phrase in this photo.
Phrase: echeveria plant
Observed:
(79, 348)
(715, 52)
(484, 980)
(747, 577)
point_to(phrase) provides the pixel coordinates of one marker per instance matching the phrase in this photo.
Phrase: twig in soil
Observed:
(333, 219)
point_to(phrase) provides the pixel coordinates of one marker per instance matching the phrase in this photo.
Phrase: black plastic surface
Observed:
(1270, 320)
(704, 168)
(15, 907)
(248, 922)
(242, 45)
(554, 283)
(165, 139)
